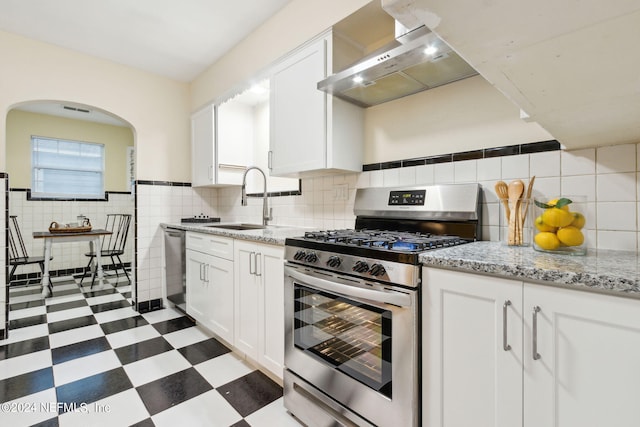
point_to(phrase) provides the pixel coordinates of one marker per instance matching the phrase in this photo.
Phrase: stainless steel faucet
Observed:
(266, 212)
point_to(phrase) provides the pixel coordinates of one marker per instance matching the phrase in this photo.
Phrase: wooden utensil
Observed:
(502, 191)
(515, 191)
(528, 199)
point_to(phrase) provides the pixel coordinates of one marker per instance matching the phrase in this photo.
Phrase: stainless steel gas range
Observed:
(352, 310)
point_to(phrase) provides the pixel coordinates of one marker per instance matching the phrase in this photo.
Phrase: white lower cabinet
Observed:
(259, 303)
(210, 286)
(480, 335)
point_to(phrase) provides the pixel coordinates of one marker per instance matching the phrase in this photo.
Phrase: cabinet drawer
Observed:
(209, 244)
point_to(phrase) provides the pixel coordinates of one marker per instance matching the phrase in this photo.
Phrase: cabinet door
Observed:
(219, 280)
(271, 325)
(470, 376)
(298, 112)
(234, 141)
(586, 371)
(197, 293)
(247, 298)
(202, 144)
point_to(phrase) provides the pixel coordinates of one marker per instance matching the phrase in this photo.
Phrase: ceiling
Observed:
(175, 39)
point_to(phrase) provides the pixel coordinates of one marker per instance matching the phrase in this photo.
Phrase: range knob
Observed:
(311, 257)
(299, 255)
(361, 267)
(377, 270)
(334, 261)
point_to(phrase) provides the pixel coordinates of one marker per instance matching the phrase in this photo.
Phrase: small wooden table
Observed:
(93, 237)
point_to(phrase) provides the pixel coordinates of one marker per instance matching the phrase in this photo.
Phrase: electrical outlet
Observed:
(341, 192)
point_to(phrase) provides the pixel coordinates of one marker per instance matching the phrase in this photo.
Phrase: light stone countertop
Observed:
(613, 272)
(272, 235)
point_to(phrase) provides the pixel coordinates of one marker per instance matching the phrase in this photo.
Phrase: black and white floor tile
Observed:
(85, 357)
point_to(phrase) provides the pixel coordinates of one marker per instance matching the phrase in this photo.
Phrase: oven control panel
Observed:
(366, 268)
(407, 198)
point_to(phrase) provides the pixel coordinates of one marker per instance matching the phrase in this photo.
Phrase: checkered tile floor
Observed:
(85, 357)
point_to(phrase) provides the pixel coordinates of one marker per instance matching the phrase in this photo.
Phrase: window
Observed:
(66, 169)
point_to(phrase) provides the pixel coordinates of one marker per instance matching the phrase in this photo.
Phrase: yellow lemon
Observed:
(541, 226)
(553, 203)
(547, 241)
(578, 220)
(570, 236)
(557, 217)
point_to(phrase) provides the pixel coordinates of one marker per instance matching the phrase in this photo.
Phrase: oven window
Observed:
(352, 337)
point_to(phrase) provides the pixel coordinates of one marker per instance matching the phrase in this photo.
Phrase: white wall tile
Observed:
(490, 169)
(407, 176)
(618, 240)
(391, 177)
(618, 216)
(515, 167)
(579, 185)
(376, 179)
(465, 171)
(616, 159)
(578, 162)
(443, 173)
(545, 188)
(425, 174)
(545, 164)
(616, 187)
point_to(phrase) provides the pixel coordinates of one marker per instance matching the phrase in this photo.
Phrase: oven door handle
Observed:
(396, 298)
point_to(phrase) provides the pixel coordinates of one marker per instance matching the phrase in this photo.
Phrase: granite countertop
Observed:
(273, 234)
(609, 271)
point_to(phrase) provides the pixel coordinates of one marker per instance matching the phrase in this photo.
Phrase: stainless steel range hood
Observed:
(398, 69)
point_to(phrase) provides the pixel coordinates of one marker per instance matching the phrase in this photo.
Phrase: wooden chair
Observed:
(112, 245)
(18, 254)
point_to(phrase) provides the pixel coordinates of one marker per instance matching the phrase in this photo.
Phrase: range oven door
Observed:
(354, 341)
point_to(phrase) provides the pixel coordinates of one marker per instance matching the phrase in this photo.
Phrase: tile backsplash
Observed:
(607, 176)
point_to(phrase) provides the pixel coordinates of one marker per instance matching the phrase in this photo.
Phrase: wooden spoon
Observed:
(515, 190)
(528, 199)
(502, 191)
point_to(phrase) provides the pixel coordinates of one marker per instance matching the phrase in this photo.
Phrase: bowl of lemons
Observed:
(559, 225)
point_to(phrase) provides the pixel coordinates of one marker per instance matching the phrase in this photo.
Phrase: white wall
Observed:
(156, 107)
(462, 116)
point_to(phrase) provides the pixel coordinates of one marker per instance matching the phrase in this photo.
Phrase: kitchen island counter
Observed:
(613, 272)
(273, 235)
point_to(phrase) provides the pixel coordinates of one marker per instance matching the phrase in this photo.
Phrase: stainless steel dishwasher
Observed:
(175, 273)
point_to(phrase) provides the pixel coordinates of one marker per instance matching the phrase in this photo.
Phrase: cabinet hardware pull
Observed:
(210, 173)
(206, 273)
(252, 265)
(201, 276)
(269, 157)
(258, 264)
(536, 355)
(505, 346)
(228, 166)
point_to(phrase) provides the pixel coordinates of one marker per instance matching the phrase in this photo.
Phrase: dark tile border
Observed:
(147, 306)
(297, 192)
(50, 199)
(509, 150)
(65, 272)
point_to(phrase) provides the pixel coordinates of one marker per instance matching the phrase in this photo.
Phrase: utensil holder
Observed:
(560, 230)
(518, 229)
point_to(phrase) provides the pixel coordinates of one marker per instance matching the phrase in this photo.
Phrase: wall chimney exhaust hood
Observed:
(415, 61)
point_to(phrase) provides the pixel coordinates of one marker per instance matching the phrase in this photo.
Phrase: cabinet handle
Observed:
(269, 157)
(206, 273)
(210, 173)
(201, 274)
(258, 264)
(228, 166)
(252, 263)
(505, 346)
(536, 355)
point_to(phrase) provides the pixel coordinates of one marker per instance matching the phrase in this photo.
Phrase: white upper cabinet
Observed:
(312, 133)
(221, 144)
(202, 147)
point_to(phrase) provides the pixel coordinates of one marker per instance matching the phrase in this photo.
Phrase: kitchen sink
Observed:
(244, 226)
